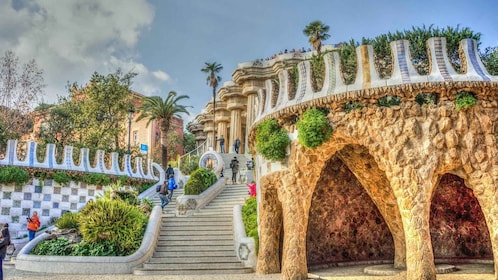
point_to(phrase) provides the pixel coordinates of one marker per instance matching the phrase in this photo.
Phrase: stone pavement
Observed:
(464, 272)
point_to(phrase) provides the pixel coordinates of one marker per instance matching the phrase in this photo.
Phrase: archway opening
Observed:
(345, 225)
(458, 229)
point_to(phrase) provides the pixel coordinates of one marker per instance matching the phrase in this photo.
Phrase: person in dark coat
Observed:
(3, 247)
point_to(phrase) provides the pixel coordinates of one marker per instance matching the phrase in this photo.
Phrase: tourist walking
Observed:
(234, 165)
(171, 186)
(33, 225)
(4, 243)
(236, 145)
(222, 144)
(163, 194)
(170, 171)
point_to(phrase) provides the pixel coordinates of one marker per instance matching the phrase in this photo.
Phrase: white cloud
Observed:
(163, 76)
(71, 39)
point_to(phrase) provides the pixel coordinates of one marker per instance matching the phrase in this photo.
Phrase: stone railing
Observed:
(187, 205)
(50, 162)
(245, 247)
(367, 81)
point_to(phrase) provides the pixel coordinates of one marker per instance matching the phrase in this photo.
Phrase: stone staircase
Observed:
(227, 171)
(199, 244)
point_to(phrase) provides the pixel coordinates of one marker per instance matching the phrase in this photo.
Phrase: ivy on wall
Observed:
(314, 128)
(271, 140)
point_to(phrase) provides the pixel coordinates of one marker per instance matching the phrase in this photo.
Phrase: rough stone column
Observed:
(235, 128)
(270, 224)
(250, 113)
(485, 187)
(222, 130)
(413, 193)
(297, 197)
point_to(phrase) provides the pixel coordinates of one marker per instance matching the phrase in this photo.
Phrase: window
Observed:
(135, 138)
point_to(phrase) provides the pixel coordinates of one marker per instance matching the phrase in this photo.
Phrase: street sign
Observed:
(144, 148)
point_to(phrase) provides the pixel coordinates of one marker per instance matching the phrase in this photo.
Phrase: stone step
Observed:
(197, 259)
(199, 248)
(199, 265)
(176, 271)
(194, 254)
(194, 233)
(171, 243)
(182, 237)
(199, 229)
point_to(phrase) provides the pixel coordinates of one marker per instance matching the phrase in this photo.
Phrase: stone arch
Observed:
(345, 224)
(457, 224)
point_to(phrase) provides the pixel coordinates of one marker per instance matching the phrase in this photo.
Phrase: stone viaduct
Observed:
(412, 166)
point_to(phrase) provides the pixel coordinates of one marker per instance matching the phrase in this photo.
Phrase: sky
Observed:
(168, 42)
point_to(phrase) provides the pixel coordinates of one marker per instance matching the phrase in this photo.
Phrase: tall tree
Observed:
(490, 59)
(103, 105)
(213, 80)
(188, 142)
(19, 88)
(317, 32)
(156, 109)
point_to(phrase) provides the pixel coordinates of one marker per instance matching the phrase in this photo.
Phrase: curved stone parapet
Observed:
(50, 161)
(367, 77)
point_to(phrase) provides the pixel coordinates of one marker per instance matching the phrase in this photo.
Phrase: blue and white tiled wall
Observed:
(48, 198)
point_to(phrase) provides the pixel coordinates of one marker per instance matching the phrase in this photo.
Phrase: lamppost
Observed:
(131, 111)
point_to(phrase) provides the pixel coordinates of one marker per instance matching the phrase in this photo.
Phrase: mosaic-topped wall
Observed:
(48, 198)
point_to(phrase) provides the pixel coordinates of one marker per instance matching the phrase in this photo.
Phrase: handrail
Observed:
(201, 149)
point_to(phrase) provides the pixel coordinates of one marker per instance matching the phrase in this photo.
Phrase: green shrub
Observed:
(352, 105)
(100, 248)
(250, 219)
(61, 177)
(189, 165)
(116, 221)
(271, 140)
(13, 175)
(68, 220)
(314, 128)
(428, 98)
(55, 247)
(465, 100)
(388, 101)
(199, 181)
(96, 179)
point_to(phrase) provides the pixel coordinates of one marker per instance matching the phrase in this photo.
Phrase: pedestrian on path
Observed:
(222, 144)
(171, 186)
(163, 194)
(236, 145)
(5, 241)
(234, 165)
(33, 225)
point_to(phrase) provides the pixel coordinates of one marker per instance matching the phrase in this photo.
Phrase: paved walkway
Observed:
(464, 272)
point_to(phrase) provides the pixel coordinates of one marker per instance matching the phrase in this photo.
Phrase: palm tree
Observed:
(162, 111)
(317, 32)
(213, 80)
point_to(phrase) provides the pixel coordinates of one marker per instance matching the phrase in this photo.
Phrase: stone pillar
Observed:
(270, 224)
(413, 193)
(485, 187)
(235, 128)
(222, 130)
(250, 114)
(297, 197)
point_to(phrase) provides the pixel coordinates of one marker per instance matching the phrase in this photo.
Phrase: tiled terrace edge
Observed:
(92, 265)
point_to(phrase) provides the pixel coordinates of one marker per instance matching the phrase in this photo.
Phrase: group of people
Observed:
(236, 144)
(165, 190)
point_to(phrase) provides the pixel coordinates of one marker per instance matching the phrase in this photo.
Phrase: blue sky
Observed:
(167, 42)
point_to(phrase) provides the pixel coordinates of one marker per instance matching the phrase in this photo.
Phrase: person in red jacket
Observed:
(33, 225)
(252, 189)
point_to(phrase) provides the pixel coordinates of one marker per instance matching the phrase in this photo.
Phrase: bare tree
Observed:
(20, 87)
